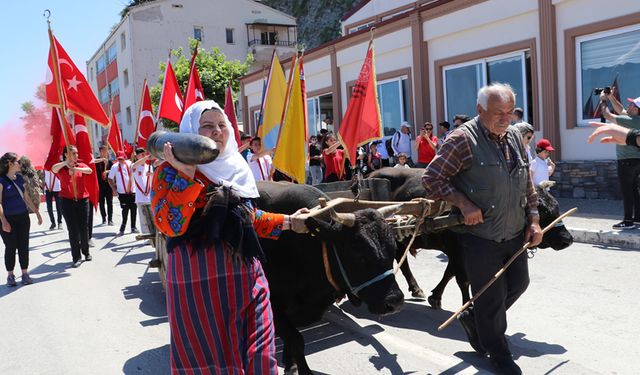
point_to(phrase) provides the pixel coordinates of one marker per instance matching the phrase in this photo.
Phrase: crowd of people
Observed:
(481, 165)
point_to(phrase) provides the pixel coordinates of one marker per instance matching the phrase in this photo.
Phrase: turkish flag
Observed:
(146, 125)
(86, 156)
(114, 139)
(77, 94)
(194, 87)
(230, 111)
(57, 144)
(170, 106)
(128, 149)
(361, 123)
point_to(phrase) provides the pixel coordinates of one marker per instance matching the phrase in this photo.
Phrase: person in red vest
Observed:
(333, 159)
(122, 184)
(75, 203)
(427, 144)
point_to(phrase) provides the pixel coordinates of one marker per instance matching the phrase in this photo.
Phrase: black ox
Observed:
(300, 289)
(406, 184)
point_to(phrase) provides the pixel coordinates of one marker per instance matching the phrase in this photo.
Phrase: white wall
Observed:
(373, 8)
(570, 14)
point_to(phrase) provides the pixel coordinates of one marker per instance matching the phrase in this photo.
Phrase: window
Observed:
(114, 88)
(256, 119)
(361, 27)
(123, 41)
(128, 116)
(268, 38)
(125, 77)
(462, 82)
(318, 108)
(609, 58)
(104, 95)
(111, 53)
(229, 33)
(101, 64)
(394, 103)
(91, 74)
(197, 33)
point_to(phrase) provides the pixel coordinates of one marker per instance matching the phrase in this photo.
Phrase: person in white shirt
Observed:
(542, 167)
(402, 161)
(259, 160)
(122, 183)
(52, 191)
(401, 142)
(142, 176)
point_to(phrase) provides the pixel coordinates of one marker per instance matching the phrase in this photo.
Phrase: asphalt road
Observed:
(109, 317)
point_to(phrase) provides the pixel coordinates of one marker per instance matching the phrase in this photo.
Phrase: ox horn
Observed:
(387, 211)
(348, 220)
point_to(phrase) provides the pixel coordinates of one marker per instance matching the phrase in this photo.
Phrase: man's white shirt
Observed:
(121, 174)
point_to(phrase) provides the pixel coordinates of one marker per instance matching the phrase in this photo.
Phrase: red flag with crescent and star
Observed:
(114, 139)
(230, 111)
(170, 105)
(57, 144)
(86, 156)
(77, 94)
(146, 125)
(194, 91)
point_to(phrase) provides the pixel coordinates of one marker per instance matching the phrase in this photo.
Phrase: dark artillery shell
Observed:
(190, 149)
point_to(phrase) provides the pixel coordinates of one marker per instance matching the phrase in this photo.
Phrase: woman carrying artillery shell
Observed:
(217, 294)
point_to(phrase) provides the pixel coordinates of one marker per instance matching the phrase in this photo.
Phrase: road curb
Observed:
(627, 239)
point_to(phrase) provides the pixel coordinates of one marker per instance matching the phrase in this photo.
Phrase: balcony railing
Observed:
(277, 43)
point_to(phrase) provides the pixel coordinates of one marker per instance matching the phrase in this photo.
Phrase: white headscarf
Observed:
(229, 168)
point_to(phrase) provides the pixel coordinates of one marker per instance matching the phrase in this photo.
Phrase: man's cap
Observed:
(121, 155)
(635, 101)
(405, 125)
(545, 145)
(139, 150)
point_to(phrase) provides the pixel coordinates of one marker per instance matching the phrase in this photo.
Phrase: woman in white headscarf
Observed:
(217, 294)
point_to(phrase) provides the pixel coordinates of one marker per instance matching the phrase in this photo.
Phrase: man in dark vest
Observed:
(482, 169)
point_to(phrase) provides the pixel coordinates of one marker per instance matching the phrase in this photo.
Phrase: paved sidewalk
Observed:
(593, 221)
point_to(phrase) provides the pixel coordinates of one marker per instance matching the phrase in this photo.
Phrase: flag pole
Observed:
(135, 137)
(61, 98)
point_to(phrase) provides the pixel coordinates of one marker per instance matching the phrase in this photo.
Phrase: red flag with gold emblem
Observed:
(361, 123)
(77, 94)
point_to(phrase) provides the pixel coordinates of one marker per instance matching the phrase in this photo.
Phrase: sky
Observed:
(79, 26)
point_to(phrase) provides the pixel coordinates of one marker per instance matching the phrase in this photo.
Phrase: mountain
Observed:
(318, 20)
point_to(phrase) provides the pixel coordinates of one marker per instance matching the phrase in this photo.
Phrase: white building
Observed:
(433, 55)
(142, 39)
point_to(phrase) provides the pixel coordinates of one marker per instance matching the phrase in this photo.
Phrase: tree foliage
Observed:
(214, 69)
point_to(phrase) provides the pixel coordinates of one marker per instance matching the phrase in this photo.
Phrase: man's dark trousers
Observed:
(483, 258)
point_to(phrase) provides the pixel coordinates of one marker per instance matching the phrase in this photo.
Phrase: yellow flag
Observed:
(291, 150)
(273, 104)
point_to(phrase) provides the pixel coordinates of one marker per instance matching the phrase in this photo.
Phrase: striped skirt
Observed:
(219, 314)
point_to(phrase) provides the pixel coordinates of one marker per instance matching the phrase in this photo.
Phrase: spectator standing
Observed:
(374, 160)
(427, 144)
(142, 172)
(526, 130)
(459, 120)
(481, 169)
(333, 159)
(384, 154)
(103, 166)
(259, 160)
(401, 142)
(122, 183)
(542, 167)
(14, 215)
(402, 161)
(315, 161)
(444, 130)
(32, 184)
(245, 142)
(52, 191)
(75, 203)
(628, 159)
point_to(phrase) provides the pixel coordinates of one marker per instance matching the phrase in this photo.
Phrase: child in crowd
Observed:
(402, 161)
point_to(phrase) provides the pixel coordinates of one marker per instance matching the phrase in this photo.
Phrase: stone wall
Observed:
(586, 179)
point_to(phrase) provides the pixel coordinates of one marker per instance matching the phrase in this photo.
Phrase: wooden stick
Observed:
(501, 271)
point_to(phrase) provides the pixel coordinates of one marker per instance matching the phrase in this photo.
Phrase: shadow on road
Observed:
(152, 362)
(152, 298)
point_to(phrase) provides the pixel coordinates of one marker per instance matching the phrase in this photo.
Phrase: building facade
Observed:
(142, 39)
(433, 56)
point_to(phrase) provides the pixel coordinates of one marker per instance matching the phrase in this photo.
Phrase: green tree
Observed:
(214, 69)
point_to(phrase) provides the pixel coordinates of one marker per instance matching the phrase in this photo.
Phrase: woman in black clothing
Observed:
(14, 214)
